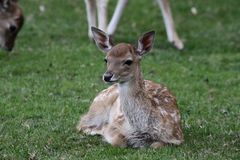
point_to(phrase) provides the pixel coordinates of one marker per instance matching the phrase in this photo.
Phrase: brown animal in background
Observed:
(132, 112)
(11, 21)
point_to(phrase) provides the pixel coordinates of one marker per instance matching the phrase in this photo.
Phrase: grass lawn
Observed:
(54, 72)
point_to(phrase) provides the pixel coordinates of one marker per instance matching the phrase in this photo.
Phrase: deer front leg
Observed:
(95, 120)
(91, 15)
(113, 132)
(169, 24)
(116, 16)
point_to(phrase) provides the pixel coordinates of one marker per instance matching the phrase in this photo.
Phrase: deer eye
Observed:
(128, 62)
(105, 60)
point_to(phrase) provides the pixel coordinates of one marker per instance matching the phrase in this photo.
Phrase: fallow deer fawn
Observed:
(101, 6)
(132, 112)
(11, 21)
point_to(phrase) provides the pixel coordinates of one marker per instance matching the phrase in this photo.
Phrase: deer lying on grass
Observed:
(11, 21)
(133, 111)
(101, 6)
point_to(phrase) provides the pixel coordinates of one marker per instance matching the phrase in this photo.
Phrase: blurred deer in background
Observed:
(132, 112)
(11, 21)
(101, 7)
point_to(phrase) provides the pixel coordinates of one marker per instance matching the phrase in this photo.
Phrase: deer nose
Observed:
(12, 28)
(107, 76)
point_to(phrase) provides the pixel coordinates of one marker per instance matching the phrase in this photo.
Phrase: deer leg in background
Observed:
(91, 15)
(169, 24)
(116, 16)
(102, 14)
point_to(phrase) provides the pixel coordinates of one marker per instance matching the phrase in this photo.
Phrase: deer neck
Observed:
(134, 101)
(134, 86)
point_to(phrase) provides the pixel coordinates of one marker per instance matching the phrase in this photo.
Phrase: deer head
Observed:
(11, 21)
(123, 60)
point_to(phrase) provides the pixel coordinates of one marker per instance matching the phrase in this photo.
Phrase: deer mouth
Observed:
(111, 81)
(8, 46)
(7, 49)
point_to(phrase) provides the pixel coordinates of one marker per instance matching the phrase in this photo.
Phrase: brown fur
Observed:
(12, 20)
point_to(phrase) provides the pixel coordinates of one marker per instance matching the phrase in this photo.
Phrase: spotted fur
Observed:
(133, 112)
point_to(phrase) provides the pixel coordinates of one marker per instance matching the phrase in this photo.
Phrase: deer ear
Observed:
(103, 41)
(145, 43)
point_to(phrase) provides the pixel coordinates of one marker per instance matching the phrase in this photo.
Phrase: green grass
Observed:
(54, 72)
